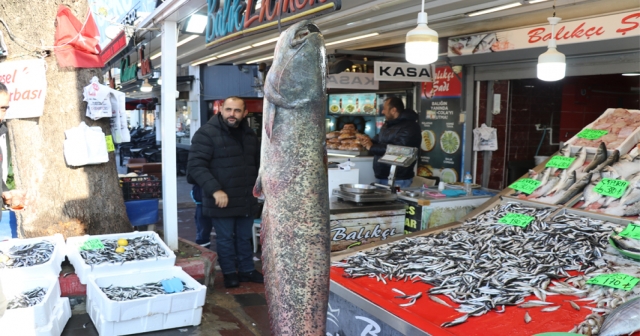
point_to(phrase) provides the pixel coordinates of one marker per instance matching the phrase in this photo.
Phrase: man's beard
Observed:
(233, 124)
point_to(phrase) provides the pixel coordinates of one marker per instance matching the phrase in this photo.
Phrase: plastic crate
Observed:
(59, 317)
(118, 311)
(50, 268)
(142, 212)
(83, 270)
(31, 317)
(141, 187)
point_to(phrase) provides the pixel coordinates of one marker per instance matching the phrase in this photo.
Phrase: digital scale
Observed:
(378, 193)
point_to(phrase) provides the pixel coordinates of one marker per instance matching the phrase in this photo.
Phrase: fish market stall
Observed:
(491, 275)
(425, 211)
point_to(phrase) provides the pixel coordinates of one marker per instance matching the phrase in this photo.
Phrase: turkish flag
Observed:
(77, 43)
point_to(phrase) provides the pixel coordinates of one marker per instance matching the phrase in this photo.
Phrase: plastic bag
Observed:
(485, 138)
(85, 145)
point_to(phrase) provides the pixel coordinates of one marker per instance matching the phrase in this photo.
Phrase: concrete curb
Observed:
(200, 268)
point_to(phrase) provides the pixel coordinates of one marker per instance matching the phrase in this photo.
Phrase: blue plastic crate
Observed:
(142, 212)
(8, 225)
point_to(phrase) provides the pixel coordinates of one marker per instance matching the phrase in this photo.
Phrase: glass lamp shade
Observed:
(421, 46)
(551, 65)
(146, 87)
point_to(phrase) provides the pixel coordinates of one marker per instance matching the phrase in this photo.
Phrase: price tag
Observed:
(611, 187)
(591, 134)
(632, 231)
(516, 219)
(526, 185)
(92, 244)
(560, 161)
(615, 280)
(110, 146)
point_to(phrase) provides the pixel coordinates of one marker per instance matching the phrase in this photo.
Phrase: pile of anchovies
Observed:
(27, 299)
(146, 290)
(483, 265)
(28, 255)
(139, 248)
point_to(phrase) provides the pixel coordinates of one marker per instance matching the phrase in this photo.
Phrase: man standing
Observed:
(223, 160)
(400, 128)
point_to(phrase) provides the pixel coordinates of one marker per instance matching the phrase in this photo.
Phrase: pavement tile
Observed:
(261, 317)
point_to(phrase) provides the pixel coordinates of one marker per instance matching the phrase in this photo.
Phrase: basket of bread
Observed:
(348, 139)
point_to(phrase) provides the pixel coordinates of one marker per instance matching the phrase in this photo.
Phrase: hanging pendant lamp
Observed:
(421, 46)
(552, 64)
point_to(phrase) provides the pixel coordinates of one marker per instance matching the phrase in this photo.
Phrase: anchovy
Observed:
(293, 181)
(550, 309)
(138, 248)
(146, 290)
(27, 299)
(27, 255)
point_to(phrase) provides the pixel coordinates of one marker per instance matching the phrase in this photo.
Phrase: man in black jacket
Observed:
(223, 160)
(400, 128)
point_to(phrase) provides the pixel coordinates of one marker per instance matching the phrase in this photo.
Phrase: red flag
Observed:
(77, 44)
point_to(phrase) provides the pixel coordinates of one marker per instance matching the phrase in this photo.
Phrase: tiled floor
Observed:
(238, 311)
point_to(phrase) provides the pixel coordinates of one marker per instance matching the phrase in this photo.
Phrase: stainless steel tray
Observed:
(358, 188)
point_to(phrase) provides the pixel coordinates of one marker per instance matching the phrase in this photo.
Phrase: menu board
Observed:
(441, 150)
(353, 103)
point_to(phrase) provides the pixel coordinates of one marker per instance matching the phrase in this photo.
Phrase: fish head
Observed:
(299, 70)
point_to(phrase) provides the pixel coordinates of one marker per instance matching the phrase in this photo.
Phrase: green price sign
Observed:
(611, 187)
(591, 134)
(615, 280)
(526, 185)
(516, 219)
(110, 146)
(632, 231)
(560, 161)
(92, 244)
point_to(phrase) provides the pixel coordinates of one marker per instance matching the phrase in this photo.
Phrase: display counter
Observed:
(424, 212)
(354, 225)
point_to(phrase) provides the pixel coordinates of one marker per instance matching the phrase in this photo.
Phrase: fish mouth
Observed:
(303, 33)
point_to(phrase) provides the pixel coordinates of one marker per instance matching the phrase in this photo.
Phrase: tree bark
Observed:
(67, 200)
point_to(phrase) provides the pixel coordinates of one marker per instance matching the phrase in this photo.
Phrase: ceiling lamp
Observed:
(552, 64)
(422, 42)
(197, 23)
(146, 87)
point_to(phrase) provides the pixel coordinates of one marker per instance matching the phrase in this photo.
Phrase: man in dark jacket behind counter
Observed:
(400, 128)
(224, 160)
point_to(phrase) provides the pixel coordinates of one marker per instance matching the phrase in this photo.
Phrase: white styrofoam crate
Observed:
(117, 311)
(185, 318)
(35, 316)
(51, 267)
(623, 148)
(83, 270)
(59, 317)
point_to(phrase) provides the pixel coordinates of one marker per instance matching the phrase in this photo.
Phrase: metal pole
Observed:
(194, 101)
(168, 117)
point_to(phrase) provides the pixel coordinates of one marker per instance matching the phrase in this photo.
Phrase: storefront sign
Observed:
(446, 84)
(576, 31)
(27, 85)
(353, 103)
(352, 80)
(231, 19)
(402, 72)
(124, 12)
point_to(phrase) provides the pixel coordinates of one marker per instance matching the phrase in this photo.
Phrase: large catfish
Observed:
(293, 180)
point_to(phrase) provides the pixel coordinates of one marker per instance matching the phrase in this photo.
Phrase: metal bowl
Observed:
(358, 188)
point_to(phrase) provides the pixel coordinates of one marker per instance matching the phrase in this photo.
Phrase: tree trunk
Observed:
(71, 201)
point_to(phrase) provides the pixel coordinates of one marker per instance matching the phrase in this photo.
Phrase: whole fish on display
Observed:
(623, 320)
(293, 180)
(600, 157)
